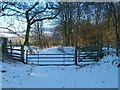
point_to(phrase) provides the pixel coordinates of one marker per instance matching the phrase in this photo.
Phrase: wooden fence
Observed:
(89, 53)
(81, 54)
(16, 53)
(109, 46)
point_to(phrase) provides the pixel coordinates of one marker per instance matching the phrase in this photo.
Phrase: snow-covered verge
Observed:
(103, 74)
(67, 49)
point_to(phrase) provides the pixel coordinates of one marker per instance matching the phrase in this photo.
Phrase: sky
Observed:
(18, 26)
(21, 26)
(63, 0)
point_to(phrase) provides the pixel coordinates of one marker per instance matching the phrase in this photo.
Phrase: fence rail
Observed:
(51, 54)
(51, 61)
(50, 58)
(16, 54)
(89, 53)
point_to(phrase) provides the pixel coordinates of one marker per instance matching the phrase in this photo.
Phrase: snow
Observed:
(102, 74)
(67, 49)
(52, 50)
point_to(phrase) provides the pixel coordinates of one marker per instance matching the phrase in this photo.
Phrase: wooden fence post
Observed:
(22, 53)
(0, 50)
(117, 48)
(108, 48)
(38, 58)
(101, 52)
(11, 48)
(26, 56)
(76, 55)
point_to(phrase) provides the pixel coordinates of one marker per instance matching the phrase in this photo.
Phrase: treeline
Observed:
(90, 23)
(87, 24)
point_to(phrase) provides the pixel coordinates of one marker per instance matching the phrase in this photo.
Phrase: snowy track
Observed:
(99, 75)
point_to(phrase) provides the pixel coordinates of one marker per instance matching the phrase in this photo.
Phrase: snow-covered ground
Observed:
(102, 74)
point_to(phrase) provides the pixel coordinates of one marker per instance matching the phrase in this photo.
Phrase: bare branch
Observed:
(15, 10)
(32, 7)
(8, 14)
(45, 18)
(27, 12)
(39, 12)
(3, 8)
(12, 31)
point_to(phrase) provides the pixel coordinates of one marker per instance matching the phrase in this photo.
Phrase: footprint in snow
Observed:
(3, 71)
(103, 81)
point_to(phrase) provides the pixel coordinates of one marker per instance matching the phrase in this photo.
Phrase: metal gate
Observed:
(50, 59)
(89, 53)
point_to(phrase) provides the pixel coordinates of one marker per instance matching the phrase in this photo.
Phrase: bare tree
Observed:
(31, 20)
(115, 23)
(30, 11)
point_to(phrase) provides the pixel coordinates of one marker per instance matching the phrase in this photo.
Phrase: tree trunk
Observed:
(115, 22)
(27, 35)
(78, 24)
(65, 33)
